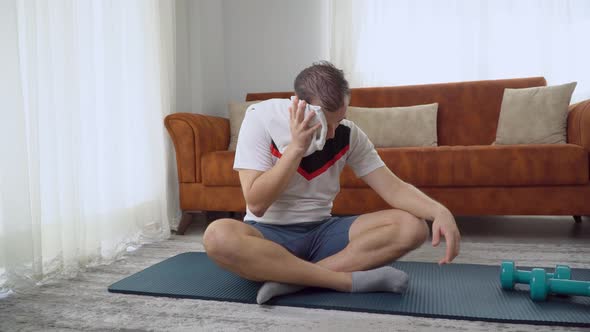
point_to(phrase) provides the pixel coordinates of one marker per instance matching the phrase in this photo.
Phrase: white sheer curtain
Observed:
(427, 41)
(85, 170)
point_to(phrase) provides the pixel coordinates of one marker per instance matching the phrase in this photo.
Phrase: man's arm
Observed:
(404, 196)
(261, 189)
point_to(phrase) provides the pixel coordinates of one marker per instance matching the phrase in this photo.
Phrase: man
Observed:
(289, 238)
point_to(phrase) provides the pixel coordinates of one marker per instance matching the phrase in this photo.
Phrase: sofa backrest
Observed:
(468, 112)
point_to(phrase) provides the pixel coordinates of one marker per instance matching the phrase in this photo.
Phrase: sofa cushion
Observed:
(237, 111)
(502, 165)
(505, 165)
(397, 126)
(534, 115)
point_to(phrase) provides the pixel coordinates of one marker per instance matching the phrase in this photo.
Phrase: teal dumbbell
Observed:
(541, 286)
(509, 275)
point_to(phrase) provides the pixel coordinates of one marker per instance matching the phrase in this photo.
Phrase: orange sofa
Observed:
(465, 172)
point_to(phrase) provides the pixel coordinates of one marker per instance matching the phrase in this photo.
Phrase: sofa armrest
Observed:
(193, 136)
(578, 124)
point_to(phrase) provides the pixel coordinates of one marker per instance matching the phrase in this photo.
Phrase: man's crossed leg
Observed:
(349, 262)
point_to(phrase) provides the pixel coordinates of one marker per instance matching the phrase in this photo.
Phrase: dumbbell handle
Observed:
(569, 287)
(524, 277)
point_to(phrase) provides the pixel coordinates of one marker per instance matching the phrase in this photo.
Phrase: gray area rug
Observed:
(84, 304)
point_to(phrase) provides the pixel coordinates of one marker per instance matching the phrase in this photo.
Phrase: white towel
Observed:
(274, 114)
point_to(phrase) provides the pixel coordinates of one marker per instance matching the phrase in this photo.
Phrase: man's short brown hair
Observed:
(324, 82)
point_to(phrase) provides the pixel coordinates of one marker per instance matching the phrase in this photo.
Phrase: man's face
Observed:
(334, 118)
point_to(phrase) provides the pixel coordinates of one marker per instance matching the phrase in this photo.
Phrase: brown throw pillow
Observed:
(534, 115)
(397, 126)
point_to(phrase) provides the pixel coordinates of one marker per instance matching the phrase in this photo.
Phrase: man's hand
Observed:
(301, 133)
(444, 224)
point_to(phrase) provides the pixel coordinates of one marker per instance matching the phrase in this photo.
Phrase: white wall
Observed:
(200, 68)
(268, 42)
(182, 54)
(228, 48)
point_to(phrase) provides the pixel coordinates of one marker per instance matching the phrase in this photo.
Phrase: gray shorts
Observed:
(310, 241)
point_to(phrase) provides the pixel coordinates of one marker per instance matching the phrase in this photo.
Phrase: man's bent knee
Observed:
(411, 231)
(221, 239)
(419, 232)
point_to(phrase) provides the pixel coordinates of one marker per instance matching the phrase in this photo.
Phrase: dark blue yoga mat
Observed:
(456, 291)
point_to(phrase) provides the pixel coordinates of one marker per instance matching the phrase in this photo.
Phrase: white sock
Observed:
(271, 289)
(383, 279)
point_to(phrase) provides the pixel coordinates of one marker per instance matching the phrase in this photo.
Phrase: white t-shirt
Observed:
(310, 193)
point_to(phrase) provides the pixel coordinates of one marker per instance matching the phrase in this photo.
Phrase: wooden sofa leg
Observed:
(186, 220)
(578, 219)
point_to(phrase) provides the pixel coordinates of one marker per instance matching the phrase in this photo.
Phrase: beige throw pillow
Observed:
(397, 126)
(237, 111)
(534, 115)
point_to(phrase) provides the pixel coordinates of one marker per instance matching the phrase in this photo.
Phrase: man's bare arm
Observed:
(404, 196)
(261, 189)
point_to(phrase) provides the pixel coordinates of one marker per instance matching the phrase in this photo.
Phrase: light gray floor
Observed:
(83, 303)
